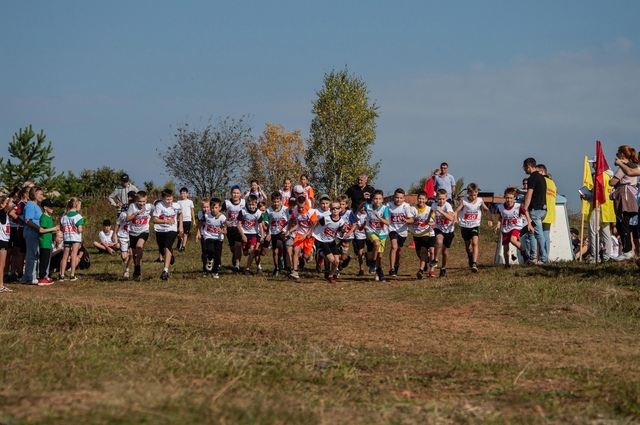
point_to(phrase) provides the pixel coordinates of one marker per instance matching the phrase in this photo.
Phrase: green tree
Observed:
(100, 181)
(33, 159)
(208, 159)
(342, 133)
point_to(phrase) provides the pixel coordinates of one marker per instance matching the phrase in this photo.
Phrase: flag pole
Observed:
(597, 212)
(581, 234)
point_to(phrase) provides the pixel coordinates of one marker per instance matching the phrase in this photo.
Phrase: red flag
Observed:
(599, 192)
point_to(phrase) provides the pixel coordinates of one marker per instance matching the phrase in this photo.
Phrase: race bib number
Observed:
(470, 216)
(376, 224)
(329, 232)
(140, 221)
(214, 229)
(441, 221)
(400, 218)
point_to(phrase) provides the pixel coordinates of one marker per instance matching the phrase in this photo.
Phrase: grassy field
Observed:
(544, 344)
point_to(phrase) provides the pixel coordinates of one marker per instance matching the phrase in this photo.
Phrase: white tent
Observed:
(560, 248)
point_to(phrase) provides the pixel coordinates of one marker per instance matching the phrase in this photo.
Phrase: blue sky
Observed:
(478, 84)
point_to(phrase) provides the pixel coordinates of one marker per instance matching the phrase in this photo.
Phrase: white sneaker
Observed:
(294, 275)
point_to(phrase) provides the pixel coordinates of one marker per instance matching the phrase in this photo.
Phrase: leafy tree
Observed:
(66, 186)
(100, 181)
(276, 155)
(342, 133)
(208, 159)
(33, 159)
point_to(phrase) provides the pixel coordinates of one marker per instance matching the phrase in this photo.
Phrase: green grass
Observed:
(552, 344)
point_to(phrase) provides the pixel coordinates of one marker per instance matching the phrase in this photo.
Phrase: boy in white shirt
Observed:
(443, 229)
(105, 243)
(188, 216)
(138, 217)
(121, 234)
(469, 216)
(512, 218)
(167, 220)
(400, 216)
(422, 230)
(212, 231)
(377, 227)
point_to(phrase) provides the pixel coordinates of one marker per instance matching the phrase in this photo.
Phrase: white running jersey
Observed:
(327, 229)
(69, 226)
(232, 210)
(140, 223)
(442, 223)
(513, 218)
(167, 212)
(361, 219)
(187, 207)
(276, 221)
(123, 226)
(373, 223)
(470, 214)
(422, 221)
(213, 227)
(397, 216)
(350, 221)
(321, 213)
(250, 221)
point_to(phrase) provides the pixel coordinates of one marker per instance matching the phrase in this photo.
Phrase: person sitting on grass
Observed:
(105, 244)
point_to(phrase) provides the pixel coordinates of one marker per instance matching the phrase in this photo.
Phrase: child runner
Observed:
(5, 234)
(345, 236)
(250, 228)
(302, 219)
(276, 218)
(325, 230)
(205, 207)
(469, 216)
(105, 243)
(212, 231)
(399, 216)
(377, 226)
(138, 216)
(121, 235)
(360, 237)
(188, 215)
(263, 243)
(231, 208)
(71, 225)
(323, 211)
(512, 218)
(443, 229)
(167, 220)
(422, 231)
(289, 238)
(47, 229)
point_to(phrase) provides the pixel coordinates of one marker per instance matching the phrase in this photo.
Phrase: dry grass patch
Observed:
(551, 344)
